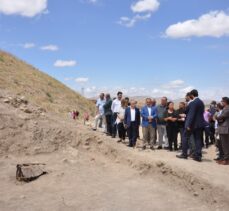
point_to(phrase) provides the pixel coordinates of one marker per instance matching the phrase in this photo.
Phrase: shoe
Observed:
(144, 148)
(159, 147)
(197, 159)
(119, 141)
(224, 162)
(130, 145)
(166, 148)
(181, 156)
(152, 148)
(94, 129)
(218, 159)
(113, 136)
(191, 155)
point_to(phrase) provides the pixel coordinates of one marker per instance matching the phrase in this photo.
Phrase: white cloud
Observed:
(68, 79)
(212, 24)
(28, 45)
(65, 63)
(142, 6)
(27, 8)
(81, 80)
(50, 48)
(174, 84)
(130, 22)
(145, 6)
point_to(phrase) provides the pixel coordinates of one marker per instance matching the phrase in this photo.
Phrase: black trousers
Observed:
(121, 131)
(212, 132)
(133, 133)
(109, 123)
(220, 147)
(114, 125)
(207, 135)
(172, 136)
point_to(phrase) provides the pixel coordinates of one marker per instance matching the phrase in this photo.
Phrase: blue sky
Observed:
(143, 47)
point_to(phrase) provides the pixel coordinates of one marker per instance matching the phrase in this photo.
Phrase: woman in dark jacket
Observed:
(171, 117)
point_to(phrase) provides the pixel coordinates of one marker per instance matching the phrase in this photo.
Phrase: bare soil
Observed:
(89, 171)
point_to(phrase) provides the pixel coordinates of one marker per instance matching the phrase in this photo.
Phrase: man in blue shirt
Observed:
(149, 115)
(99, 110)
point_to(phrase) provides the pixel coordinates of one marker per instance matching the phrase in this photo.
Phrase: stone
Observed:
(160, 164)
(99, 141)
(196, 194)
(6, 101)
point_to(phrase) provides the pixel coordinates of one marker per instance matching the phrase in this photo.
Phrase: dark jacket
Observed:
(180, 124)
(160, 114)
(195, 115)
(223, 120)
(107, 107)
(127, 119)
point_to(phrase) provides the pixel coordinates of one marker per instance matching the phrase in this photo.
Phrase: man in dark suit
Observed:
(194, 125)
(132, 122)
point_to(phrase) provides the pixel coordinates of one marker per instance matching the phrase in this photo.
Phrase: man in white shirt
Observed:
(115, 107)
(99, 110)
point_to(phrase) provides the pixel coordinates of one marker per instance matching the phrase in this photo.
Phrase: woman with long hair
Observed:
(170, 116)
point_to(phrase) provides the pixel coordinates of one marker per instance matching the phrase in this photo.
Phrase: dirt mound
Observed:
(22, 79)
(28, 129)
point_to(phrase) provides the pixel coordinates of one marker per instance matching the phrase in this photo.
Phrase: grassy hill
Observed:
(39, 88)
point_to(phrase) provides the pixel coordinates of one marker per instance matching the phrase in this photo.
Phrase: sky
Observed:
(141, 47)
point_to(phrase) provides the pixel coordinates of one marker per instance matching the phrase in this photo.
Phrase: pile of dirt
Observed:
(28, 129)
(22, 79)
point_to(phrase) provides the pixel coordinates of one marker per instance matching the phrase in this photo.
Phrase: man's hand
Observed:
(182, 115)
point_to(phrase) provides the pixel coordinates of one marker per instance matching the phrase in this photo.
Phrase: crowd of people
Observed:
(196, 125)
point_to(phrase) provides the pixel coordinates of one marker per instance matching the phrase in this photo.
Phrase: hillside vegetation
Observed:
(22, 79)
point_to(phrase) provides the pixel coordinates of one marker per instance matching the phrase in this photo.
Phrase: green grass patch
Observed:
(1, 59)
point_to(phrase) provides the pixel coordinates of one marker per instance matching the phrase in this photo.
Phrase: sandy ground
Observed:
(84, 182)
(89, 171)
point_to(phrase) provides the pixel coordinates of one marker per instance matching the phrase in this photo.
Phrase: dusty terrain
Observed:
(89, 171)
(22, 79)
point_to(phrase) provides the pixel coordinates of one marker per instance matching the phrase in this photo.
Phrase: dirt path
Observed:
(82, 182)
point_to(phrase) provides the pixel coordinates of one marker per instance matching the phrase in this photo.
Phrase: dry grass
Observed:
(22, 79)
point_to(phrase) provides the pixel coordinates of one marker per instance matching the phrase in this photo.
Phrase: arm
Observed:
(125, 117)
(165, 116)
(143, 114)
(191, 116)
(175, 117)
(155, 115)
(97, 108)
(224, 115)
(112, 106)
(138, 118)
